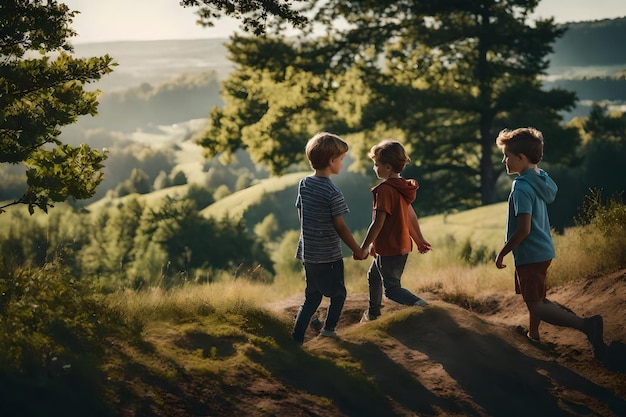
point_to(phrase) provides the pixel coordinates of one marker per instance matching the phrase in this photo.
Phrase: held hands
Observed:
(361, 254)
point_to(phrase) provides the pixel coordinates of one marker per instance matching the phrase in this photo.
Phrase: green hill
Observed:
(594, 43)
(235, 205)
(277, 196)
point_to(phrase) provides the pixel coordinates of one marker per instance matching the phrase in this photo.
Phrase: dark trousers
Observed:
(386, 271)
(322, 280)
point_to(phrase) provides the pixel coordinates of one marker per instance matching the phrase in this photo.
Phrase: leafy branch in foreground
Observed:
(255, 15)
(42, 93)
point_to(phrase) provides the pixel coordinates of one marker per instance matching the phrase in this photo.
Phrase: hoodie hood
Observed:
(406, 187)
(540, 182)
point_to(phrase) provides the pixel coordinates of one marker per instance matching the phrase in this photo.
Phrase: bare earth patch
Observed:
(445, 360)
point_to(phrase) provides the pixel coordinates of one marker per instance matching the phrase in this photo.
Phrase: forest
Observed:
(121, 177)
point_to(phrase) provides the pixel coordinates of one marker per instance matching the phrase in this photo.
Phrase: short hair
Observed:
(390, 152)
(526, 140)
(323, 147)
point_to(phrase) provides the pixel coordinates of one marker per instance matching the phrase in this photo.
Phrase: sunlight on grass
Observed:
(234, 206)
(460, 267)
(192, 300)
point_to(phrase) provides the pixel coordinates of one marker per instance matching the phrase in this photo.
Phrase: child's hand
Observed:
(499, 263)
(423, 247)
(371, 250)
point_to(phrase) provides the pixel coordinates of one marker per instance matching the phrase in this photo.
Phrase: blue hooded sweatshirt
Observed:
(531, 192)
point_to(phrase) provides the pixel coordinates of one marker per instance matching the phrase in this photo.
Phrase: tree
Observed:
(255, 15)
(445, 77)
(280, 95)
(599, 167)
(139, 183)
(604, 155)
(39, 95)
(455, 73)
(179, 178)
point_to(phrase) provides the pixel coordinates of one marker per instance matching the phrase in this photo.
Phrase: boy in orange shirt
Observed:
(393, 229)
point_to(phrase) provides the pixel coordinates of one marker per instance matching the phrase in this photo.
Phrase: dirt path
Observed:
(451, 361)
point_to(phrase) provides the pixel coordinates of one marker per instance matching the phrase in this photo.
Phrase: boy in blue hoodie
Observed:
(528, 235)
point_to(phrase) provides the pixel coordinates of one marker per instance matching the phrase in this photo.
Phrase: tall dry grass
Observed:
(596, 246)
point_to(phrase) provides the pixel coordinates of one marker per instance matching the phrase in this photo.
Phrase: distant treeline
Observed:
(187, 96)
(594, 88)
(598, 42)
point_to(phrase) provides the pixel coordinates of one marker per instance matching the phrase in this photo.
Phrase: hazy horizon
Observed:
(145, 20)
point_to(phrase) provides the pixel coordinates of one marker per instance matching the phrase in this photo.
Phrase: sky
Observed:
(115, 20)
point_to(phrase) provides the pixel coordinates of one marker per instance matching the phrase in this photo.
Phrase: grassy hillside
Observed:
(235, 205)
(224, 348)
(482, 226)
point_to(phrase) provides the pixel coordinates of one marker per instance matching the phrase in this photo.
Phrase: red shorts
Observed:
(530, 280)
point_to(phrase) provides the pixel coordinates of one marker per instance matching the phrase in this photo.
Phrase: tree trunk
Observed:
(487, 174)
(484, 75)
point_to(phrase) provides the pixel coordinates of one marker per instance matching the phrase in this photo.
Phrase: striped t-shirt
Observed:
(319, 201)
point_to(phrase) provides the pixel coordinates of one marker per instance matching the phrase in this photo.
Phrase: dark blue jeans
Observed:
(386, 271)
(322, 280)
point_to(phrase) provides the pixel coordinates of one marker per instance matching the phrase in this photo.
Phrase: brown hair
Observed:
(526, 140)
(390, 152)
(323, 147)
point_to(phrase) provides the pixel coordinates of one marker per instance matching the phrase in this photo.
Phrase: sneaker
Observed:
(328, 333)
(367, 317)
(593, 329)
(420, 303)
(532, 339)
(316, 324)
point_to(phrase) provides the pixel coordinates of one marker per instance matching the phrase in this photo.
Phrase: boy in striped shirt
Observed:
(321, 207)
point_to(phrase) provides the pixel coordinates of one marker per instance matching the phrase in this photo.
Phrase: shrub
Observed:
(49, 321)
(474, 256)
(609, 218)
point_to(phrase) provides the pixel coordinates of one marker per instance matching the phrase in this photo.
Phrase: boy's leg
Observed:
(549, 312)
(391, 269)
(375, 283)
(533, 326)
(531, 283)
(312, 300)
(332, 286)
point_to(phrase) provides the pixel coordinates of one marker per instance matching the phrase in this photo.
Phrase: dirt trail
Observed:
(452, 361)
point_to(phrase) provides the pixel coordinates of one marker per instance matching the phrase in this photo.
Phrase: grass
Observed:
(581, 251)
(194, 349)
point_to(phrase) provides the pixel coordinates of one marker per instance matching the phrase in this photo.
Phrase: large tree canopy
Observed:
(42, 89)
(442, 76)
(255, 15)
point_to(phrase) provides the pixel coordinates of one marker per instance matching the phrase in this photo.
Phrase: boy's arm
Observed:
(375, 227)
(345, 234)
(520, 233)
(416, 233)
